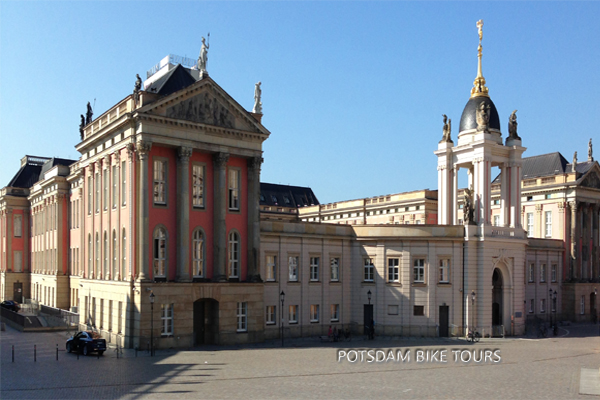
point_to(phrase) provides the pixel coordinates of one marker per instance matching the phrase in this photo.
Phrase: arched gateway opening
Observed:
(206, 322)
(497, 302)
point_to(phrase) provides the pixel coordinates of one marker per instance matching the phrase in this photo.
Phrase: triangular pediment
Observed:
(205, 102)
(592, 178)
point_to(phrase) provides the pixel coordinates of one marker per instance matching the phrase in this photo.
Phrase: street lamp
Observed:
(282, 297)
(152, 324)
(369, 296)
(473, 310)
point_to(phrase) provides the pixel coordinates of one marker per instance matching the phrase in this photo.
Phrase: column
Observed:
(143, 148)
(573, 236)
(594, 252)
(254, 219)
(538, 225)
(504, 198)
(219, 214)
(454, 204)
(183, 213)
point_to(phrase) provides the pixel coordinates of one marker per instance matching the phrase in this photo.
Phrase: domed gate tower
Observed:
(487, 248)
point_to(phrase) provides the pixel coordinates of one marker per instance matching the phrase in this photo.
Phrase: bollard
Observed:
(57, 352)
(34, 353)
(13, 353)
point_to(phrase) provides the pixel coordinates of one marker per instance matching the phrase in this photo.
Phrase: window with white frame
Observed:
(531, 306)
(166, 319)
(123, 254)
(496, 220)
(553, 272)
(543, 273)
(234, 189)
(314, 269)
(115, 185)
(335, 269)
(90, 252)
(444, 270)
(335, 312)
(18, 225)
(105, 173)
(271, 261)
(89, 187)
(531, 273)
(160, 182)
(198, 185)
(198, 253)
(314, 313)
(270, 316)
(234, 255)
(543, 305)
(105, 271)
(97, 197)
(293, 317)
(548, 223)
(582, 305)
(530, 224)
(419, 270)
(115, 255)
(369, 270)
(293, 268)
(393, 269)
(242, 317)
(160, 252)
(123, 183)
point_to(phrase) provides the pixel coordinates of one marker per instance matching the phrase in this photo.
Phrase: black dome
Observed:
(468, 121)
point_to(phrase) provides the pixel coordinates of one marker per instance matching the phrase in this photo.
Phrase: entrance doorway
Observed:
(368, 317)
(206, 322)
(444, 321)
(497, 301)
(18, 292)
(593, 309)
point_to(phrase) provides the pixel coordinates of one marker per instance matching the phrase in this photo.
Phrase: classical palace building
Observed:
(162, 229)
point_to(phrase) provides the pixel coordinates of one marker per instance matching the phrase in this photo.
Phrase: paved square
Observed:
(530, 368)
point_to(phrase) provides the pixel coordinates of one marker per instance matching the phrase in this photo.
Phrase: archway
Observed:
(206, 322)
(497, 302)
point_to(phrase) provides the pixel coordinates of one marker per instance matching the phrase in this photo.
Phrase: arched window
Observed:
(114, 254)
(90, 252)
(160, 252)
(124, 255)
(234, 255)
(105, 272)
(198, 253)
(97, 253)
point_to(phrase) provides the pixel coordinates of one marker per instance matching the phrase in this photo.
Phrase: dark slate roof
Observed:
(286, 196)
(583, 167)
(468, 120)
(27, 176)
(48, 165)
(546, 165)
(176, 79)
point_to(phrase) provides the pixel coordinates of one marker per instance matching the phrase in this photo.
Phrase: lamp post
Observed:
(473, 310)
(554, 305)
(282, 297)
(152, 324)
(549, 300)
(369, 296)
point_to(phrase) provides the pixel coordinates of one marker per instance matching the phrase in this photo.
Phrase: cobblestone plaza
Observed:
(548, 368)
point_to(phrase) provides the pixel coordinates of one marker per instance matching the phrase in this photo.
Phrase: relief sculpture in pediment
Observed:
(592, 180)
(203, 109)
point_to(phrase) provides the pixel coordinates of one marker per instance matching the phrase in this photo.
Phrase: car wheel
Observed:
(85, 351)
(100, 353)
(69, 347)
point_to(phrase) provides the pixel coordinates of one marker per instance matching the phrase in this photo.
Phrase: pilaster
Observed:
(143, 150)
(183, 213)
(219, 214)
(254, 219)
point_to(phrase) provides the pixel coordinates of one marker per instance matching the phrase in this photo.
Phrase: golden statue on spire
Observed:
(479, 88)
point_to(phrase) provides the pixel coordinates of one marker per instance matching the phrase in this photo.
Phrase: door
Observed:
(199, 326)
(368, 318)
(18, 292)
(444, 311)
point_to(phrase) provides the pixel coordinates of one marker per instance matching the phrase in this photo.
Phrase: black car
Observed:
(10, 305)
(85, 343)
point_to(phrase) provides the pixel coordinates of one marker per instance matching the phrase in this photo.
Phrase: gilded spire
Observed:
(479, 88)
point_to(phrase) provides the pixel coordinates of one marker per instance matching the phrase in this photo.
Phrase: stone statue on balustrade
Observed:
(468, 206)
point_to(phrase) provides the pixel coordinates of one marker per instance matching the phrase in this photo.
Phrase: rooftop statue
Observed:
(137, 88)
(81, 126)
(482, 117)
(574, 164)
(512, 126)
(257, 99)
(590, 152)
(88, 114)
(468, 206)
(447, 129)
(203, 58)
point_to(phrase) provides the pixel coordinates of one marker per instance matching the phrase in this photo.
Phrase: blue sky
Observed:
(353, 92)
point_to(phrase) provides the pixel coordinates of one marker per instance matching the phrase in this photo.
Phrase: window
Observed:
(18, 261)
(530, 224)
(393, 269)
(198, 253)
(198, 185)
(270, 317)
(531, 306)
(234, 189)
(166, 319)
(444, 270)
(105, 191)
(496, 220)
(115, 185)
(553, 272)
(419, 270)
(123, 255)
(123, 183)
(419, 310)
(314, 269)
(234, 255)
(531, 272)
(271, 268)
(543, 273)
(314, 313)
(110, 314)
(89, 187)
(97, 253)
(120, 318)
(160, 182)
(105, 265)
(242, 317)
(335, 269)
(553, 304)
(582, 305)
(543, 305)
(392, 309)
(160, 252)
(335, 312)
(293, 267)
(97, 197)
(115, 255)
(89, 254)
(548, 219)
(101, 313)
(293, 319)
(18, 225)
(369, 270)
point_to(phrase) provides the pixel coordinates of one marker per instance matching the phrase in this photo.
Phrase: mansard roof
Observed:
(29, 173)
(54, 161)
(543, 165)
(272, 194)
(176, 79)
